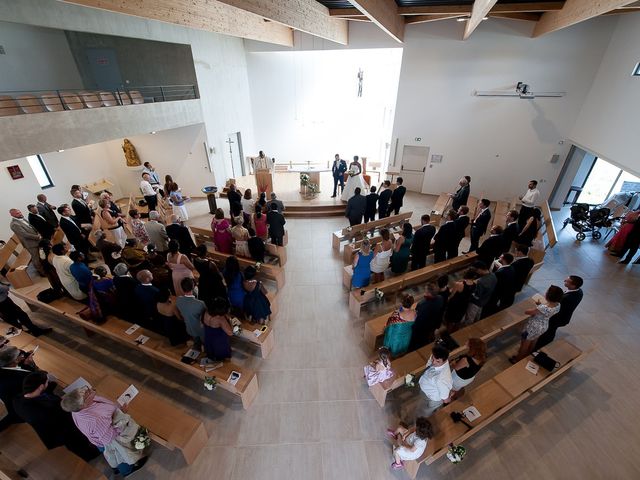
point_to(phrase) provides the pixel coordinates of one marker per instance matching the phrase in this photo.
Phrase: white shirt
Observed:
(147, 189)
(263, 163)
(531, 198)
(436, 382)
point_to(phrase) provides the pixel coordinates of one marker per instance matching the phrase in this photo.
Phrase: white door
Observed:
(414, 164)
(234, 153)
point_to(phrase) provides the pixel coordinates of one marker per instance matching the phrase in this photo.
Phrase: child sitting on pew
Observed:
(410, 443)
(380, 369)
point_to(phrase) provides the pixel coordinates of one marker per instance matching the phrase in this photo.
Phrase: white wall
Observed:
(35, 59)
(608, 122)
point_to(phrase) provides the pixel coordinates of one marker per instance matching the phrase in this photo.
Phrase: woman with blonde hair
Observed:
(241, 236)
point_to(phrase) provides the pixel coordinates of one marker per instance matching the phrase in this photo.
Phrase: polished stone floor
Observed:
(314, 418)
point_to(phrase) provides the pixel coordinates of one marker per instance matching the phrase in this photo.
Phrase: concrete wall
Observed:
(35, 59)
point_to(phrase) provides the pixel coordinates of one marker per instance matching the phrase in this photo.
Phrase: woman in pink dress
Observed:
(222, 237)
(180, 265)
(259, 223)
(616, 244)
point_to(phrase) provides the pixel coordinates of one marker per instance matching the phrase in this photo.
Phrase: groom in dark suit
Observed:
(338, 170)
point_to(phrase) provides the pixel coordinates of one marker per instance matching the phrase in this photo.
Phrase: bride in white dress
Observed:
(355, 180)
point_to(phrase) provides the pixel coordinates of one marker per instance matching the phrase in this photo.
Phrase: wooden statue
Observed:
(130, 154)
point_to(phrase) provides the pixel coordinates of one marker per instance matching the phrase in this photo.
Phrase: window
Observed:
(636, 71)
(604, 180)
(40, 171)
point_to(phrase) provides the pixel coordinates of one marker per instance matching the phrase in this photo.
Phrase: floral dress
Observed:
(139, 231)
(539, 323)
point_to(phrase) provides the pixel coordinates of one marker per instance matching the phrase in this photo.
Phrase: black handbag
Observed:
(48, 295)
(545, 361)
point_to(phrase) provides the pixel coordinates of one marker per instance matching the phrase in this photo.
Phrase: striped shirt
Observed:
(95, 421)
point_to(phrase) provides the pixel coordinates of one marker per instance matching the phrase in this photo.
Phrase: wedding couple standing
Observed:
(354, 181)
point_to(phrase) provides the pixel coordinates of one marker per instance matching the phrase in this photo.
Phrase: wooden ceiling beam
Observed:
(526, 16)
(383, 13)
(575, 11)
(413, 19)
(622, 11)
(209, 15)
(480, 9)
(499, 8)
(344, 12)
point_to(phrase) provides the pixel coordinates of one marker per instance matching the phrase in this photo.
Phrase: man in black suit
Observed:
(491, 248)
(125, 286)
(505, 291)
(181, 234)
(83, 214)
(40, 223)
(480, 223)
(146, 298)
(396, 197)
(522, 265)
(337, 170)
(276, 223)
(429, 312)
(372, 203)
(462, 222)
(570, 301)
(511, 231)
(445, 239)
(356, 206)
(47, 210)
(235, 201)
(383, 199)
(76, 235)
(422, 243)
(462, 194)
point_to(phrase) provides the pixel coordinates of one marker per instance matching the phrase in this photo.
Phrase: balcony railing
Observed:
(40, 101)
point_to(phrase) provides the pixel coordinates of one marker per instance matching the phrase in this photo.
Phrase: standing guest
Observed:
(146, 297)
(362, 265)
(240, 236)
(522, 265)
(505, 291)
(168, 317)
(222, 238)
(529, 200)
(62, 263)
(421, 246)
(511, 231)
(631, 245)
(104, 423)
(397, 332)
(75, 234)
(338, 169)
(617, 242)
(150, 194)
(180, 265)
(191, 310)
(235, 201)
(259, 223)
(274, 199)
(276, 223)
(37, 221)
(485, 285)
(462, 194)
(80, 271)
(83, 213)
(262, 202)
(233, 278)
(356, 207)
(492, 247)
(28, 236)
(410, 443)
(257, 307)
(257, 247)
(15, 316)
(154, 179)
(125, 286)
(402, 249)
(248, 203)
(459, 300)
(138, 228)
(531, 227)
(382, 256)
(462, 222)
(180, 233)
(465, 368)
(104, 290)
(445, 239)
(436, 381)
(380, 369)
(217, 329)
(480, 223)
(443, 289)
(428, 318)
(47, 210)
(570, 301)
(113, 207)
(210, 281)
(111, 224)
(168, 185)
(384, 197)
(157, 232)
(397, 196)
(179, 202)
(538, 321)
(372, 203)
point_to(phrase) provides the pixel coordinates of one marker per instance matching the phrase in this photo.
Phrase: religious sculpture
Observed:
(130, 154)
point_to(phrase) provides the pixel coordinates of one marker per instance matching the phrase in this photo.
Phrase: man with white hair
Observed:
(28, 236)
(157, 232)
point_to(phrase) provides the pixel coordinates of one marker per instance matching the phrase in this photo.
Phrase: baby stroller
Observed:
(586, 221)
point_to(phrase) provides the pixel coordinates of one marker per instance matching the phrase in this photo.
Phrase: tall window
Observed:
(604, 180)
(40, 171)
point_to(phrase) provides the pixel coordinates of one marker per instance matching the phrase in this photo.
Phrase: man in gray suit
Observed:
(157, 232)
(356, 207)
(28, 236)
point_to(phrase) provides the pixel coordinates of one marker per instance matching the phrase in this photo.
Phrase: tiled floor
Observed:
(315, 419)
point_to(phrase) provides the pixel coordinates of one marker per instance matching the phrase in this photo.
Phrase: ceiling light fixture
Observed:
(153, 133)
(462, 19)
(60, 151)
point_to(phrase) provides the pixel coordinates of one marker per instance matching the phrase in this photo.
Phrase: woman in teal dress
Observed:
(402, 249)
(362, 265)
(397, 333)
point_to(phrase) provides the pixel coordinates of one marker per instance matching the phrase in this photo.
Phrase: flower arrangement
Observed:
(379, 294)
(258, 266)
(304, 179)
(237, 330)
(210, 383)
(142, 439)
(410, 380)
(456, 453)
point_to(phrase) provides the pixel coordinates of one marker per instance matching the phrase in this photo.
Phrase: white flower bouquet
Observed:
(379, 294)
(410, 380)
(352, 173)
(210, 383)
(142, 439)
(258, 266)
(456, 453)
(304, 179)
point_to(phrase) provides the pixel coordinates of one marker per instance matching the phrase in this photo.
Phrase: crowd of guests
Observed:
(385, 201)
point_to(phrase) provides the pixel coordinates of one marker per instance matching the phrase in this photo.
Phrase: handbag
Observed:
(48, 295)
(545, 361)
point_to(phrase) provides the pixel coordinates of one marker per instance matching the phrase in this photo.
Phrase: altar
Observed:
(314, 176)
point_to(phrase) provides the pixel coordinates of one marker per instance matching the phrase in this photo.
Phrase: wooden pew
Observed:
(348, 233)
(486, 329)
(156, 347)
(548, 229)
(14, 260)
(493, 399)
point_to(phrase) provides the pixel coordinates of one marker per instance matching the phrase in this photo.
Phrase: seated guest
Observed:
(397, 332)
(410, 443)
(240, 236)
(134, 257)
(180, 233)
(62, 263)
(104, 290)
(217, 329)
(382, 256)
(380, 369)
(80, 271)
(125, 286)
(522, 265)
(362, 265)
(191, 310)
(530, 230)
(492, 247)
(41, 409)
(443, 289)
(37, 221)
(256, 247)
(422, 243)
(257, 307)
(445, 241)
(110, 251)
(372, 203)
(538, 322)
(157, 232)
(276, 223)
(465, 368)
(505, 292)
(436, 381)
(570, 301)
(146, 297)
(459, 300)
(210, 281)
(402, 249)
(274, 199)
(485, 285)
(222, 238)
(138, 228)
(233, 278)
(428, 318)
(180, 265)
(172, 326)
(157, 264)
(461, 222)
(259, 223)
(511, 231)
(15, 316)
(74, 232)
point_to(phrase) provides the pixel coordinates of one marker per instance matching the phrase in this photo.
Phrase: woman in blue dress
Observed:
(233, 278)
(217, 329)
(402, 249)
(362, 265)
